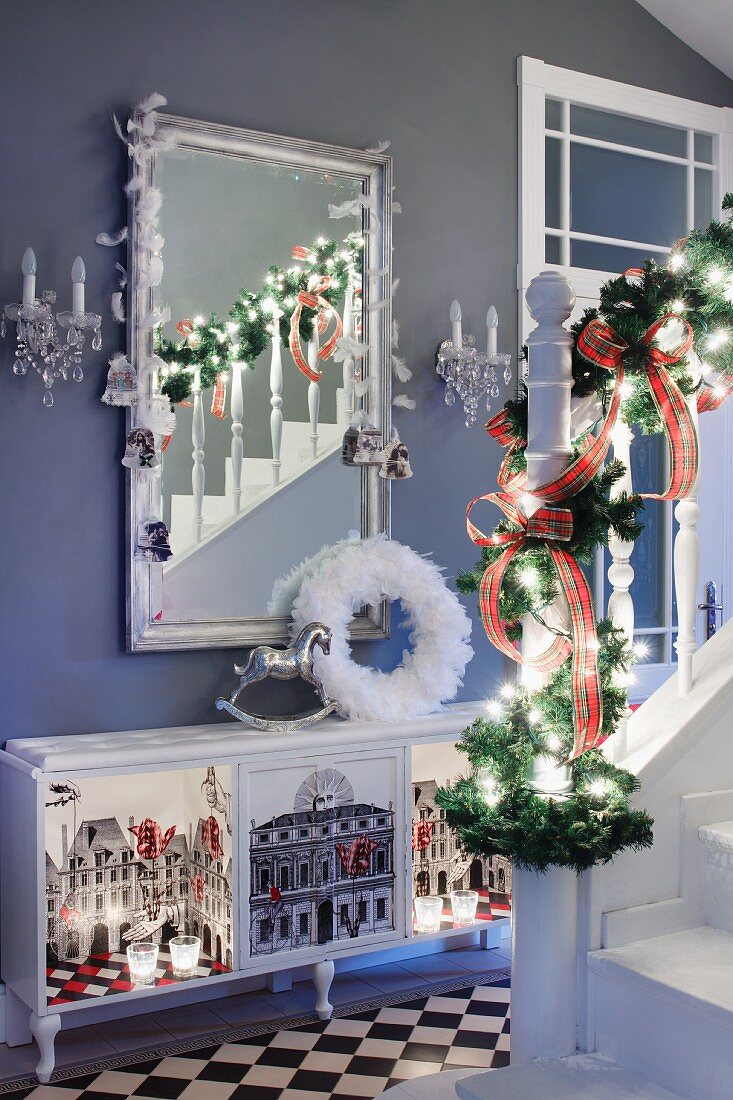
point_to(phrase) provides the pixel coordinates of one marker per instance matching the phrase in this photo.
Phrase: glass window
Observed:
(284, 927)
(381, 908)
(362, 910)
(615, 194)
(265, 930)
(553, 155)
(704, 148)
(610, 257)
(303, 924)
(553, 114)
(553, 249)
(703, 197)
(624, 130)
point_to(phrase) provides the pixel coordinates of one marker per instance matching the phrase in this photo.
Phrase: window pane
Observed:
(552, 249)
(704, 148)
(703, 198)
(553, 114)
(621, 130)
(619, 195)
(609, 257)
(654, 649)
(553, 149)
(648, 466)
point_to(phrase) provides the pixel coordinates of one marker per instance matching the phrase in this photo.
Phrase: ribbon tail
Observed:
(680, 431)
(219, 398)
(710, 398)
(587, 697)
(294, 343)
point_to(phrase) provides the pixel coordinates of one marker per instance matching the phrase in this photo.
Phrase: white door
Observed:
(610, 175)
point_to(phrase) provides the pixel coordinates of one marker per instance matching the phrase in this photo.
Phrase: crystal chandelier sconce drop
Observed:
(39, 342)
(468, 375)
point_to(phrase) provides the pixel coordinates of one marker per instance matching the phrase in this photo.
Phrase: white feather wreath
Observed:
(365, 573)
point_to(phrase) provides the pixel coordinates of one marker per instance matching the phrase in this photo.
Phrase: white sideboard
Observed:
(255, 842)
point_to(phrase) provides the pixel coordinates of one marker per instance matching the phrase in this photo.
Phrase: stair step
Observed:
(583, 1076)
(717, 840)
(664, 1007)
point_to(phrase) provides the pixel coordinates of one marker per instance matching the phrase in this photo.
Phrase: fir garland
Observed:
(496, 811)
(213, 345)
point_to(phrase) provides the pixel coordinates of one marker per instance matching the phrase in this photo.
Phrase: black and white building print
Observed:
(301, 891)
(99, 889)
(442, 864)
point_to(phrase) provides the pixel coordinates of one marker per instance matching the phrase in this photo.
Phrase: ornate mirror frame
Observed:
(374, 171)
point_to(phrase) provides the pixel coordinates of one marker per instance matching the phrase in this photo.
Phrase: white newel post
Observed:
(314, 392)
(237, 450)
(620, 576)
(686, 569)
(545, 906)
(198, 477)
(276, 401)
(348, 364)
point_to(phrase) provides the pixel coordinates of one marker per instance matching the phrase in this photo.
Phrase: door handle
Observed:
(711, 608)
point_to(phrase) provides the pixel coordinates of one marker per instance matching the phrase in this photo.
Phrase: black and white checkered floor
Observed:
(357, 1054)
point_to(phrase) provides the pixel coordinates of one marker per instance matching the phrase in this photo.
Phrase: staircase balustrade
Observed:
(620, 575)
(314, 393)
(237, 449)
(686, 569)
(276, 402)
(348, 364)
(198, 474)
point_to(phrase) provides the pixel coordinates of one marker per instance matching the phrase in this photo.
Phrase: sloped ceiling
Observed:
(705, 25)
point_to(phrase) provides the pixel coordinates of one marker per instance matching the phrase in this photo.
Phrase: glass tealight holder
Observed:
(185, 955)
(428, 912)
(464, 903)
(142, 959)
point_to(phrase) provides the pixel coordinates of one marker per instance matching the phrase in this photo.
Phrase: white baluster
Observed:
(620, 575)
(544, 970)
(314, 392)
(686, 568)
(276, 401)
(348, 364)
(237, 450)
(550, 299)
(198, 476)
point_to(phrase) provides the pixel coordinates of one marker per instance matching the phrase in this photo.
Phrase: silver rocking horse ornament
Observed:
(283, 664)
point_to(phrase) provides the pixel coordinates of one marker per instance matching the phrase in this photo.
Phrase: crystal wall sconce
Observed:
(38, 340)
(467, 374)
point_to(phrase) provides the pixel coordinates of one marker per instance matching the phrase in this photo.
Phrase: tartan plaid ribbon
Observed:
(710, 398)
(421, 835)
(219, 397)
(600, 344)
(551, 526)
(500, 428)
(312, 298)
(355, 859)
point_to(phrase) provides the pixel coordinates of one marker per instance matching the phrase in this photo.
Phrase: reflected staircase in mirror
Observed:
(256, 483)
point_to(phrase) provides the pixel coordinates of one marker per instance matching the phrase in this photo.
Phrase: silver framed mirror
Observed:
(251, 484)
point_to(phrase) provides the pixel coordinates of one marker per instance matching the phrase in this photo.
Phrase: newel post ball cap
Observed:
(550, 297)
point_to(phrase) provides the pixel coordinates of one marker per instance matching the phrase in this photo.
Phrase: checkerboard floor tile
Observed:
(352, 1057)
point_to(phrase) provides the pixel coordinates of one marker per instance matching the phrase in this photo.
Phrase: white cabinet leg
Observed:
(45, 1029)
(17, 1021)
(322, 979)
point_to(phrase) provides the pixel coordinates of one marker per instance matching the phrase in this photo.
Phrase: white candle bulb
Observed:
(78, 275)
(492, 331)
(456, 329)
(28, 267)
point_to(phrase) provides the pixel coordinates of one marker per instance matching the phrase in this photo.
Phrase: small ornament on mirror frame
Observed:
(121, 386)
(153, 542)
(395, 461)
(349, 445)
(140, 452)
(369, 447)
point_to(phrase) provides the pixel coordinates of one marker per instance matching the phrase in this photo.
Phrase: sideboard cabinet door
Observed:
(323, 860)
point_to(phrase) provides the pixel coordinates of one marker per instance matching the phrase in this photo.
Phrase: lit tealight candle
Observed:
(456, 329)
(492, 331)
(185, 955)
(28, 267)
(78, 277)
(142, 959)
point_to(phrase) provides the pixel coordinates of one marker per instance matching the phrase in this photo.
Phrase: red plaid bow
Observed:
(421, 835)
(151, 840)
(551, 525)
(197, 887)
(210, 837)
(312, 298)
(355, 859)
(600, 344)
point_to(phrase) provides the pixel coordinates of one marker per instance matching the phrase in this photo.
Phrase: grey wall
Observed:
(438, 79)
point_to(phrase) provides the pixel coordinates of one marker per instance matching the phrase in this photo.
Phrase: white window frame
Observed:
(538, 81)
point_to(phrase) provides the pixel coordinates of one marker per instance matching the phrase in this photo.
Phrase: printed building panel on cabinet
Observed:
(322, 865)
(440, 863)
(135, 857)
